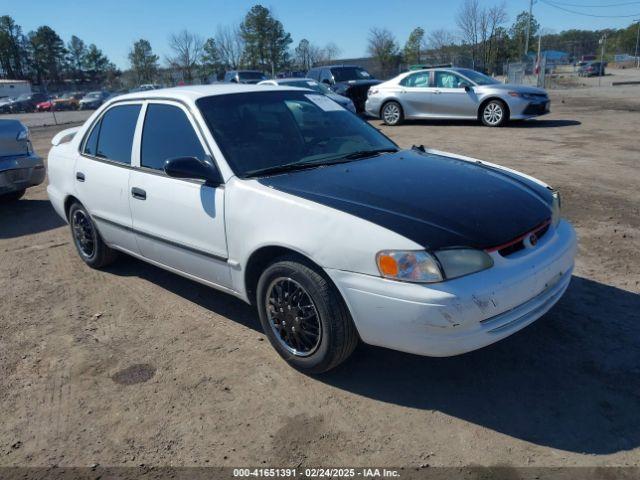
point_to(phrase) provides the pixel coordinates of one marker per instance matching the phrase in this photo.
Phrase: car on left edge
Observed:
(286, 200)
(20, 167)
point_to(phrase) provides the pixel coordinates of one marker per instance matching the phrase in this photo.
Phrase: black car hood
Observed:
(434, 200)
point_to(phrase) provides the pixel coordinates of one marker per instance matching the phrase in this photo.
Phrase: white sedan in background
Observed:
(284, 199)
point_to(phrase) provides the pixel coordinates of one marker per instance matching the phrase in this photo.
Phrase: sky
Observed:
(113, 25)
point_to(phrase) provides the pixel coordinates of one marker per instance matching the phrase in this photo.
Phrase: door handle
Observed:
(80, 176)
(437, 92)
(138, 193)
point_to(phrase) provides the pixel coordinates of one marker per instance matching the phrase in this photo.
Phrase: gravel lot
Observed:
(135, 365)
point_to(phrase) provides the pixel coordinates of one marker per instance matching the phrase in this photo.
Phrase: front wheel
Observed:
(494, 114)
(392, 114)
(304, 316)
(91, 248)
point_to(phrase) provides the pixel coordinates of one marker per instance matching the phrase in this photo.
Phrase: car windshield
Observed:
(344, 74)
(478, 78)
(310, 84)
(263, 132)
(24, 96)
(251, 76)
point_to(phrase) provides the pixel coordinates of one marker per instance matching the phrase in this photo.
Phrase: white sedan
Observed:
(284, 199)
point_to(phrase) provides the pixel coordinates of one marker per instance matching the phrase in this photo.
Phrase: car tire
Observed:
(12, 196)
(306, 300)
(392, 113)
(89, 244)
(494, 113)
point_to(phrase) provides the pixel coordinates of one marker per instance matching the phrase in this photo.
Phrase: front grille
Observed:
(536, 109)
(517, 243)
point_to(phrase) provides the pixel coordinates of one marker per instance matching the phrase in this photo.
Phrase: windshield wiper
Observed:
(368, 153)
(289, 167)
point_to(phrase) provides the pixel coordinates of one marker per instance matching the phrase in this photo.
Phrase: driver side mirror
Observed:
(466, 86)
(192, 168)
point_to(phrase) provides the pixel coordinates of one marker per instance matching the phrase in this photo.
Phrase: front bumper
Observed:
(524, 109)
(20, 172)
(467, 313)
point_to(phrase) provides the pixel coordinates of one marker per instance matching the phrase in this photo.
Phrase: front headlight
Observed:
(408, 266)
(372, 91)
(457, 262)
(556, 206)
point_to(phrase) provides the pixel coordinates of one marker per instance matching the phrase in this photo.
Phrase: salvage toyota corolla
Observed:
(283, 198)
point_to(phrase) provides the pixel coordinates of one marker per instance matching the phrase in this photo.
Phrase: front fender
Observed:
(257, 216)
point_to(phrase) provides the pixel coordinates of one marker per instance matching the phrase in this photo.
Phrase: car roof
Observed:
(194, 92)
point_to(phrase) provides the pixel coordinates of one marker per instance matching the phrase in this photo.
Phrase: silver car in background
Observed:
(311, 84)
(454, 93)
(20, 167)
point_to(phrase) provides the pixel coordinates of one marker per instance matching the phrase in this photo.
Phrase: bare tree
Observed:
(440, 43)
(187, 50)
(468, 20)
(478, 28)
(384, 49)
(230, 46)
(490, 20)
(331, 51)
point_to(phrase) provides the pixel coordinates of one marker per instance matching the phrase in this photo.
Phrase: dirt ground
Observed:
(134, 365)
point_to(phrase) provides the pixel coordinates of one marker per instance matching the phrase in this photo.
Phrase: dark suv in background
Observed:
(244, 76)
(347, 80)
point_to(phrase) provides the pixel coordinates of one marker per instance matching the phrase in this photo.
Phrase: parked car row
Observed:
(246, 188)
(42, 102)
(420, 93)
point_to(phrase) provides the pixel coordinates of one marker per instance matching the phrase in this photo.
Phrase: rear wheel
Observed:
(304, 316)
(494, 113)
(392, 113)
(91, 248)
(12, 196)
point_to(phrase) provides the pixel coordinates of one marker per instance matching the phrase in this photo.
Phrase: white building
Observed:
(14, 88)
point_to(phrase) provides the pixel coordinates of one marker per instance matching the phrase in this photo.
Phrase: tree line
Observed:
(483, 40)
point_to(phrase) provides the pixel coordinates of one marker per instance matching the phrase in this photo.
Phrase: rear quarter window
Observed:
(112, 137)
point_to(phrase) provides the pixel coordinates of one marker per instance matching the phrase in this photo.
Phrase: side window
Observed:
(91, 145)
(420, 79)
(167, 133)
(313, 73)
(447, 80)
(114, 137)
(325, 74)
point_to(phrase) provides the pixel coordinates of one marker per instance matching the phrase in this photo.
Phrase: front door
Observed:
(102, 174)
(178, 223)
(450, 99)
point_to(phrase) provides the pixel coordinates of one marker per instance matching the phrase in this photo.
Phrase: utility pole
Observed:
(603, 41)
(541, 68)
(526, 40)
(637, 43)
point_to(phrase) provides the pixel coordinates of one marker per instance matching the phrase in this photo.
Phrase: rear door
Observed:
(102, 173)
(450, 99)
(416, 95)
(179, 223)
